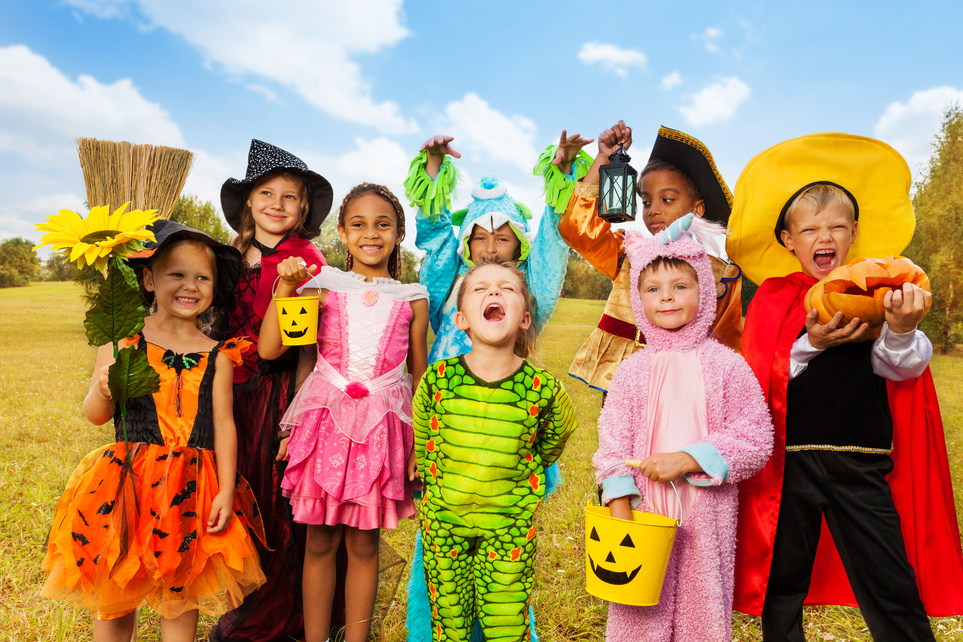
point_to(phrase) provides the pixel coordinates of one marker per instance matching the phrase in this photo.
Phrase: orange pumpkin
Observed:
(857, 289)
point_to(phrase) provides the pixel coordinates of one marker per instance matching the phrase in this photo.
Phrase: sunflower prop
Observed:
(103, 240)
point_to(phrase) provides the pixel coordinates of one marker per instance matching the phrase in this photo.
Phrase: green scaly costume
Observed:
(482, 450)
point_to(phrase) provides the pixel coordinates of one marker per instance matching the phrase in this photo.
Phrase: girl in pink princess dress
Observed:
(691, 410)
(350, 453)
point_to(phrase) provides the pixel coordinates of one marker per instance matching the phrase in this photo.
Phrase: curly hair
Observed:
(394, 261)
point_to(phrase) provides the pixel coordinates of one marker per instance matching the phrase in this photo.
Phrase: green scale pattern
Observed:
(482, 450)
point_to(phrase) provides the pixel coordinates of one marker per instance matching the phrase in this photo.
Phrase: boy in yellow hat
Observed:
(822, 523)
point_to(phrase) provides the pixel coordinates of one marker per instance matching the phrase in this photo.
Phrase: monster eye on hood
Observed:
(492, 207)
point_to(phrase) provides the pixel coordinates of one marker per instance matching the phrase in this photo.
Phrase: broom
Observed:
(150, 177)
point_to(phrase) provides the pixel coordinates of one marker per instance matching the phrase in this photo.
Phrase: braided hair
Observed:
(394, 261)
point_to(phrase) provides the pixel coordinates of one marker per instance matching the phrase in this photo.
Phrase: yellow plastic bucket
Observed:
(625, 561)
(298, 318)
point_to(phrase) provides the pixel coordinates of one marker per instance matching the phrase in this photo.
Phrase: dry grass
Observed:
(44, 373)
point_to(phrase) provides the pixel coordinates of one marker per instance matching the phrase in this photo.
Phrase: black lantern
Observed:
(617, 188)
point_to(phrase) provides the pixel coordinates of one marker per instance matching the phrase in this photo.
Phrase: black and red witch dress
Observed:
(132, 531)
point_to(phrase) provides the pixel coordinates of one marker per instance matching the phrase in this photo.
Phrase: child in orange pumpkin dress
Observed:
(148, 518)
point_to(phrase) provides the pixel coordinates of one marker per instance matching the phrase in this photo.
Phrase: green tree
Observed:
(203, 216)
(938, 243)
(582, 281)
(58, 268)
(18, 262)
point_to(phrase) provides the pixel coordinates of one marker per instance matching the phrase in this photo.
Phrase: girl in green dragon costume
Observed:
(487, 425)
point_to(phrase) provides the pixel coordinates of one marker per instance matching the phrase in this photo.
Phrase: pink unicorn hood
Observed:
(677, 241)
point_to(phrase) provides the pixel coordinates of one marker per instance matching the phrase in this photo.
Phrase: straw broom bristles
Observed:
(150, 177)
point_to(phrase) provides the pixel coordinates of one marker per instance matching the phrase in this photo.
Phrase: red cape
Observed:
(920, 481)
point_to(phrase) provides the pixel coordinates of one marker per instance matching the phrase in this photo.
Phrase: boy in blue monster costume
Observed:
(493, 224)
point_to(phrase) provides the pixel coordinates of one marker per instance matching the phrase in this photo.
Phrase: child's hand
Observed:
(412, 467)
(665, 467)
(439, 146)
(827, 335)
(283, 449)
(293, 270)
(568, 148)
(103, 386)
(905, 308)
(221, 510)
(609, 139)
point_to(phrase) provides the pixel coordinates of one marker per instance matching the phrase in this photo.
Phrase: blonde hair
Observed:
(394, 261)
(524, 339)
(819, 197)
(246, 227)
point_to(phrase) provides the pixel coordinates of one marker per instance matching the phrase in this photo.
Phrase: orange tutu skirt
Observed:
(129, 535)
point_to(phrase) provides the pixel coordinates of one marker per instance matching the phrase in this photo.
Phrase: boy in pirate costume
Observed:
(693, 183)
(858, 437)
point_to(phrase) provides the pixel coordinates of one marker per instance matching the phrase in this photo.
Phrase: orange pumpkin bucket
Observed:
(858, 289)
(626, 560)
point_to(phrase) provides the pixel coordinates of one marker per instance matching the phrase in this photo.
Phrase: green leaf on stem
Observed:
(118, 312)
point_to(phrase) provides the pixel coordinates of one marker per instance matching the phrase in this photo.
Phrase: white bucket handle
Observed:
(634, 463)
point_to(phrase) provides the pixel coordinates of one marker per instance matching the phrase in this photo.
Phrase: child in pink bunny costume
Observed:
(692, 411)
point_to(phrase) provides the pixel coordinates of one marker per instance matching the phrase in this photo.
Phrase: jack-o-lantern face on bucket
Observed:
(858, 289)
(625, 560)
(298, 319)
(609, 575)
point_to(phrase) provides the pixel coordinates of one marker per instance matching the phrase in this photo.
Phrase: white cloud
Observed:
(709, 38)
(103, 9)
(305, 45)
(42, 112)
(671, 80)
(716, 103)
(911, 126)
(612, 58)
(478, 127)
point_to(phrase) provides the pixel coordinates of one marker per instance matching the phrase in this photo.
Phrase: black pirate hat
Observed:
(691, 157)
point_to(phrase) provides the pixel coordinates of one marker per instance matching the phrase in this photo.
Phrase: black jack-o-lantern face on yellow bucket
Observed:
(625, 561)
(298, 318)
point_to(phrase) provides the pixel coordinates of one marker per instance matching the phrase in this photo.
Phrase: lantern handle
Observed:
(636, 463)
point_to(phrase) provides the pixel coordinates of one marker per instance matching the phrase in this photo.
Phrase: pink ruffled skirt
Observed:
(359, 480)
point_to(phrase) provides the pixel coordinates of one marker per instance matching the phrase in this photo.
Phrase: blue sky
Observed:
(354, 87)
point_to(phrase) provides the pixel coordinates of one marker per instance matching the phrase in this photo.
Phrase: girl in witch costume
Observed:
(856, 505)
(275, 209)
(148, 519)
(680, 178)
(351, 460)
(691, 411)
(494, 224)
(487, 425)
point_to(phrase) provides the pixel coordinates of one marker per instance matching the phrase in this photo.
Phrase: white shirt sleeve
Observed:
(899, 357)
(896, 357)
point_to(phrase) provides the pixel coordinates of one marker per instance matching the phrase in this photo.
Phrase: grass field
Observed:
(45, 367)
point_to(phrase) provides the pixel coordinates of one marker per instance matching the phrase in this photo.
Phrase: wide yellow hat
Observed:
(873, 173)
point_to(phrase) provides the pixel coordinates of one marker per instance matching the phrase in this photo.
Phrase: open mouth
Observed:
(494, 312)
(825, 259)
(616, 578)
(295, 334)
